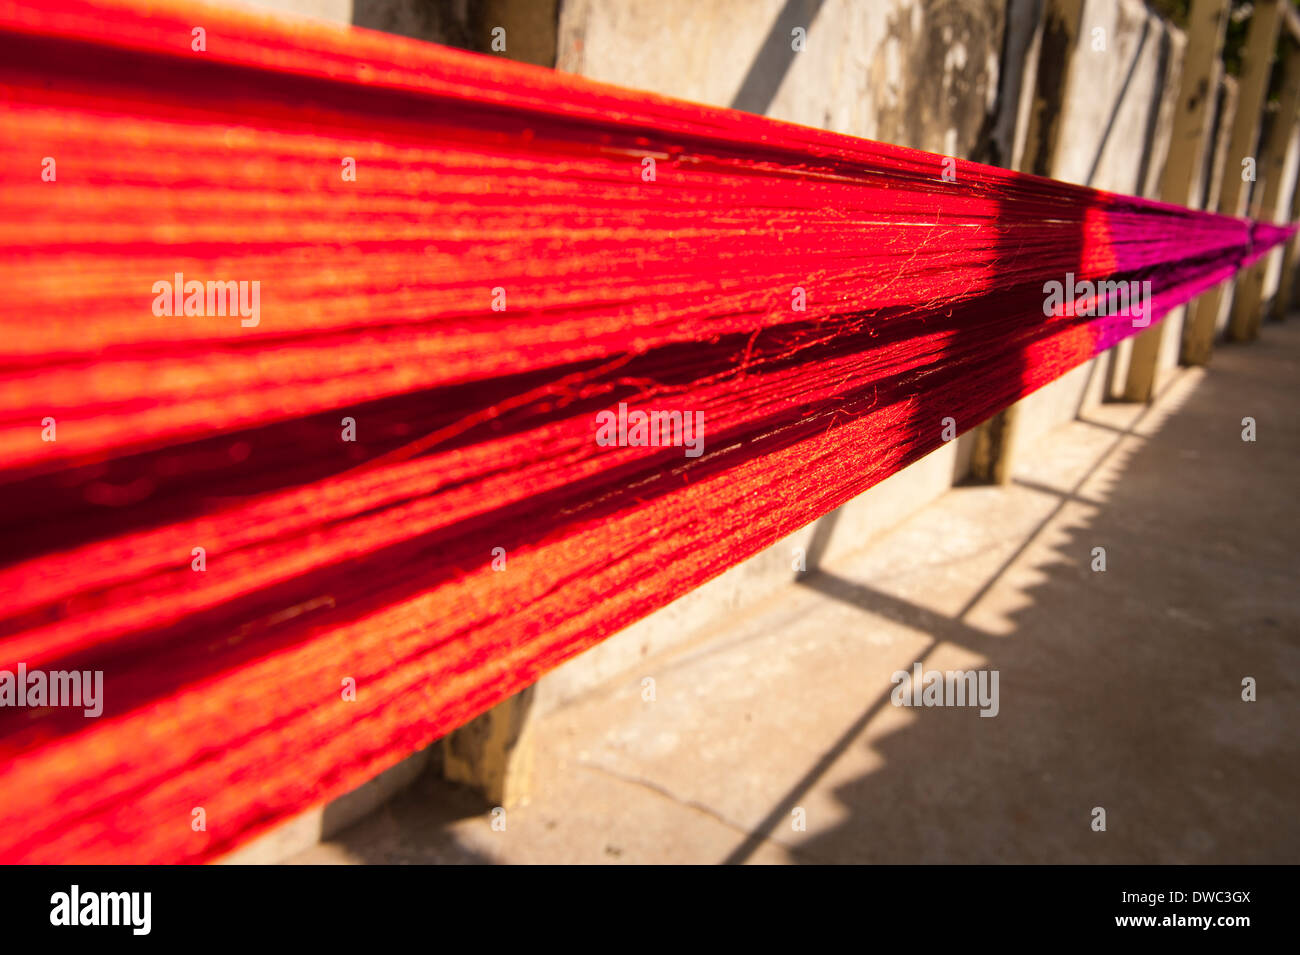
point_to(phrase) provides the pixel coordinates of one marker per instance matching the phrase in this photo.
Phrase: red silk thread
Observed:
(372, 560)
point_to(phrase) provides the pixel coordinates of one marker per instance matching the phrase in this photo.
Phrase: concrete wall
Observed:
(1109, 137)
(336, 11)
(920, 73)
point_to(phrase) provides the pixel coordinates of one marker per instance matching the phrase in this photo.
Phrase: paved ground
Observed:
(1118, 689)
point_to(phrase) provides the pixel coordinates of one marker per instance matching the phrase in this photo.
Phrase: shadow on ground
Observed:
(1120, 689)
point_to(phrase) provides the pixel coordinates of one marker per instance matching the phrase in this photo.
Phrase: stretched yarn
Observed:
(480, 265)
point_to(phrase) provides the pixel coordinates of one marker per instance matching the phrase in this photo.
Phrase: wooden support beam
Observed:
(1189, 142)
(1203, 313)
(1289, 284)
(1057, 40)
(1247, 307)
(493, 753)
(1291, 20)
(527, 30)
(1062, 20)
(1224, 117)
(995, 447)
(1189, 147)
(1256, 68)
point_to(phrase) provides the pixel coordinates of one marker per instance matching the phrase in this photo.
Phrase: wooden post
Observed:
(1225, 117)
(991, 458)
(528, 30)
(1188, 147)
(1288, 284)
(995, 447)
(1202, 313)
(493, 753)
(1256, 68)
(1257, 65)
(1062, 20)
(1247, 307)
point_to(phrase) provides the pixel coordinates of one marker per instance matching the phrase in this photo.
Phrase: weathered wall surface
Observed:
(337, 11)
(920, 73)
(1112, 109)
